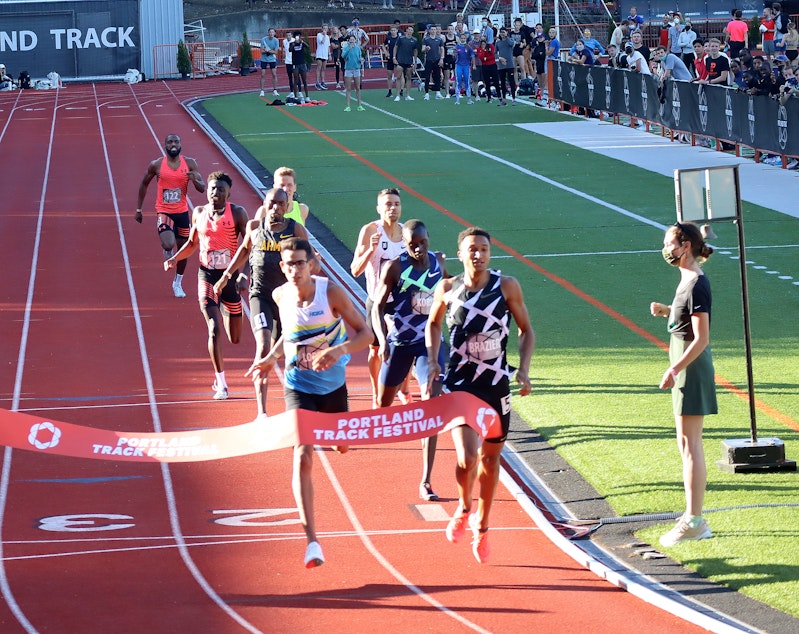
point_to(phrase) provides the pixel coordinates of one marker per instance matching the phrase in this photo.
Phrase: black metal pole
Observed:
(739, 221)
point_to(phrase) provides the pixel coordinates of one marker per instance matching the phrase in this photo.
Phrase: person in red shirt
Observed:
(172, 173)
(215, 231)
(767, 28)
(699, 61)
(487, 56)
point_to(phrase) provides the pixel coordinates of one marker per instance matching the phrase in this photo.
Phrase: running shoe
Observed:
(323, 85)
(408, 98)
(388, 94)
(480, 547)
(338, 85)
(347, 109)
(262, 94)
(683, 532)
(177, 289)
(427, 96)
(469, 102)
(792, 164)
(276, 93)
(313, 555)
(361, 108)
(317, 86)
(439, 95)
(220, 392)
(397, 98)
(426, 492)
(456, 528)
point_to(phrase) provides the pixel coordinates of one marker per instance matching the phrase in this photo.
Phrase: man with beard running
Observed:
(261, 247)
(172, 173)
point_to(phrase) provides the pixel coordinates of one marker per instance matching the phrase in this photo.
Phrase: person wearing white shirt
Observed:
(321, 56)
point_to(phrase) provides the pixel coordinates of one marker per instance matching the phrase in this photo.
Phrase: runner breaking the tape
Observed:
(173, 173)
(478, 305)
(315, 315)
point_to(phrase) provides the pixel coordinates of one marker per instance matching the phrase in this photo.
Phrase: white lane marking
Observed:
(361, 532)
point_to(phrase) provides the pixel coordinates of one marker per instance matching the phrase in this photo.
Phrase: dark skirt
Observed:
(694, 392)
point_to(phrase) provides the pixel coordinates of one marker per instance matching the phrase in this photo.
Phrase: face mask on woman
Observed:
(670, 257)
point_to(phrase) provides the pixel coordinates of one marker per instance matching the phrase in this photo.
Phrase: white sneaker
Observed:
(427, 96)
(291, 94)
(440, 96)
(409, 98)
(276, 93)
(220, 392)
(313, 555)
(683, 532)
(177, 289)
(262, 94)
(397, 98)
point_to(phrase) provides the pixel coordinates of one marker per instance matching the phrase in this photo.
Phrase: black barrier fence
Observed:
(78, 38)
(759, 121)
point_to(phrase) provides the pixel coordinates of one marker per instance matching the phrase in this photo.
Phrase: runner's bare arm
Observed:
(388, 280)
(367, 243)
(515, 301)
(433, 329)
(152, 172)
(194, 175)
(241, 257)
(191, 244)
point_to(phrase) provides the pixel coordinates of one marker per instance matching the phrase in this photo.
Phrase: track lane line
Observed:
(5, 478)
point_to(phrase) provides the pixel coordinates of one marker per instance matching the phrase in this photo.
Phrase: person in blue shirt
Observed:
(553, 46)
(636, 21)
(590, 42)
(352, 54)
(269, 48)
(464, 62)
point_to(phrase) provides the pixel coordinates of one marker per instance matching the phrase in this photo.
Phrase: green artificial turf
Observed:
(589, 274)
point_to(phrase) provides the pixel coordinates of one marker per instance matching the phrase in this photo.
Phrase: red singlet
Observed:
(218, 238)
(172, 188)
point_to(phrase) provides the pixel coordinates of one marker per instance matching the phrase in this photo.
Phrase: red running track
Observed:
(93, 336)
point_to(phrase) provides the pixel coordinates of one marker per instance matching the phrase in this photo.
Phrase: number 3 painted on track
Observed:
(83, 523)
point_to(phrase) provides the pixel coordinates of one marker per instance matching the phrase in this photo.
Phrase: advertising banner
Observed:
(714, 111)
(75, 38)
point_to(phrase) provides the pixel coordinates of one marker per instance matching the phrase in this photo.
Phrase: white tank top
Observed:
(385, 252)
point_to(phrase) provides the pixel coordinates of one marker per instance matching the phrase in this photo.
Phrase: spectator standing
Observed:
(767, 29)
(6, 81)
(620, 34)
(686, 43)
(433, 47)
(336, 41)
(321, 56)
(270, 45)
(486, 53)
(464, 62)
(388, 47)
(718, 66)
(700, 68)
(675, 29)
(637, 39)
(487, 30)
(791, 42)
(539, 59)
(635, 21)
(450, 40)
(780, 25)
(405, 57)
(736, 34)
(553, 46)
(288, 40)
(352, 55)
(506, 67)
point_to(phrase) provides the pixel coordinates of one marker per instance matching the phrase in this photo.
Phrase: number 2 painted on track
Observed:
(86, 522)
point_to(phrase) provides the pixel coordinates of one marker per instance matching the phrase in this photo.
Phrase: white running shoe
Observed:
(409, 98)
(427, 96)
(397, 98)
(439, 95)
(220, 392)
(262, 94)
(177, 289)
(683, 532)
(276, 93)
(313, 555)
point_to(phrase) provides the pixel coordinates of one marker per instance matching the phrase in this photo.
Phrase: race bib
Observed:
(171, 196)
(421, 301)
(307, 353)
(484, 346)
(219, 259)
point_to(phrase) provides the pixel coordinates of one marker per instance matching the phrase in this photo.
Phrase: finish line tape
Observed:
(295, 427)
